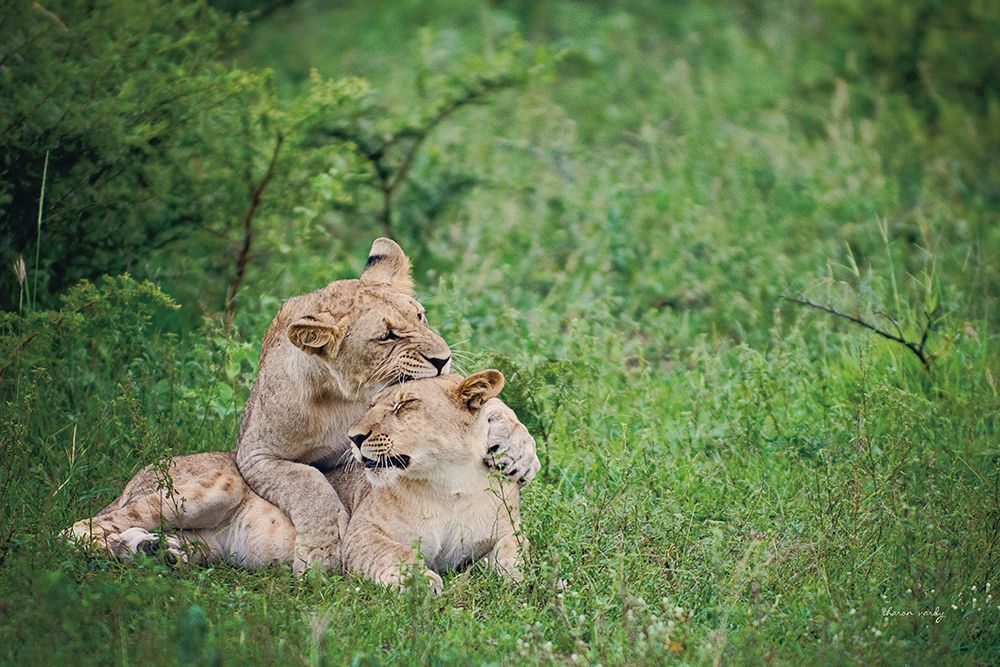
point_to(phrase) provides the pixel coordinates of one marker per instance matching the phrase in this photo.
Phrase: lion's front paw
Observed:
(169, 548)
(317, 551)
(397, 578)
(510, 448)
(434, 581)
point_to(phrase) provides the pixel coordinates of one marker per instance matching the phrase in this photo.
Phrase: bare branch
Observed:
(892, 320)
(916, 348)
(256, 194)
(391, 176)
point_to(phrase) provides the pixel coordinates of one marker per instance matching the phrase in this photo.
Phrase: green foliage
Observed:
(942, 58)
(729, 478)
(254, 9)
(163, 161)
(114, 97)
(382, 142)
(923, 47)
(100, 387)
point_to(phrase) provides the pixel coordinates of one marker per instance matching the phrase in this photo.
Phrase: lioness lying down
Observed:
(417, 476)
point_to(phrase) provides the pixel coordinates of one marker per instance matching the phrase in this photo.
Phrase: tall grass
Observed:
(38, 239)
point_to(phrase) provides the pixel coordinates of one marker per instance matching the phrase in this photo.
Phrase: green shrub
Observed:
(929, 49)
(161, 159)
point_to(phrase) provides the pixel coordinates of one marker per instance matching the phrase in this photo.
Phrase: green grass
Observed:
(728, 478)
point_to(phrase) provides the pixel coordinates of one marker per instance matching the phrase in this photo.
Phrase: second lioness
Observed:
(324, 357)
(423, 482)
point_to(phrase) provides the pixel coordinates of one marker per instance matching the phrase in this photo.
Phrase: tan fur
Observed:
(324, 357)
(444, 499)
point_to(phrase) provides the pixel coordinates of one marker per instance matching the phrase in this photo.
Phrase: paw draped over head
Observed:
(510, 448)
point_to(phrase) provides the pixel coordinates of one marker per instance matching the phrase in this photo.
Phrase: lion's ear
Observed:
(480, 387)
(387, 263)
(314, 333)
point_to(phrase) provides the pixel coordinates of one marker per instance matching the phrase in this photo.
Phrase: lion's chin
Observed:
(382, 476)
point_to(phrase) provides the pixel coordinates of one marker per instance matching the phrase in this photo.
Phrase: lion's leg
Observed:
(257, 535)
(306, 496)
(190, 493)
(98, 534)
(507, 557)
(369, 553)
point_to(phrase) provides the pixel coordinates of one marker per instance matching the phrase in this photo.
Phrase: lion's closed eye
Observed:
(404, 404)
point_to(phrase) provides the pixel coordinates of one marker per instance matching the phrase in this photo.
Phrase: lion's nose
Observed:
(359, 438)
(439, 364)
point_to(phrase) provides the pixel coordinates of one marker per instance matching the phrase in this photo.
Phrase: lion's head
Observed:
(367, 333)
(425, 429)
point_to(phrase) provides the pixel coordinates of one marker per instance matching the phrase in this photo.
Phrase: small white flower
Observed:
(19, 270)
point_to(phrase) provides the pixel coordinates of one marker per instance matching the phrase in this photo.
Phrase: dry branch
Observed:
(256, 194)
(390, 176)
(917, 348)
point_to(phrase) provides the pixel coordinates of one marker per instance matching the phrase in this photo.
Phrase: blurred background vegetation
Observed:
(608, 200)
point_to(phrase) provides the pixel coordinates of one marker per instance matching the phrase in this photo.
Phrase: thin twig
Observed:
(50, 16)
(256, 194)
(918, 349)
(38, 238)
(390, 177)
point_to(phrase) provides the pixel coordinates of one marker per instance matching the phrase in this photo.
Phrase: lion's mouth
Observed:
(400, 461)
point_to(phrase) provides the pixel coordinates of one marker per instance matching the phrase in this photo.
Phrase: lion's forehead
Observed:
(375, 310)
(426, 389)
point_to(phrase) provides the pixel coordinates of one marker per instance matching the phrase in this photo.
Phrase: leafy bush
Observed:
(109, 103)
(931, 50)
(161, 160)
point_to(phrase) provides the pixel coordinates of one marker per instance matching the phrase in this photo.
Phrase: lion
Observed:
(419, 496)
(325, 355)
